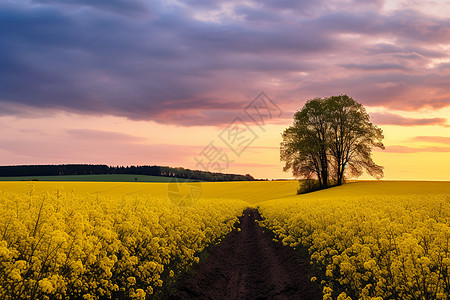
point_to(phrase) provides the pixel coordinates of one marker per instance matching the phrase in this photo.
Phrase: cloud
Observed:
(406, 51)
(200, 62)
(376, 67)
(253, 165)
(404, 149)
(114, 151)
(130, 7)
(433, 139)
(101, 135)
(393, 119)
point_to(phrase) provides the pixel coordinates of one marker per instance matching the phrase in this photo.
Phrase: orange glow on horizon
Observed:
(118, 141)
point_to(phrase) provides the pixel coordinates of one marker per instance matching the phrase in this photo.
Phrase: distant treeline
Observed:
(84, 169)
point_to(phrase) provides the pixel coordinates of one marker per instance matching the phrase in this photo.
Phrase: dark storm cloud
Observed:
(200, 62)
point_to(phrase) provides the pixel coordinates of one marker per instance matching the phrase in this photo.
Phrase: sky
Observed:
(211, 85)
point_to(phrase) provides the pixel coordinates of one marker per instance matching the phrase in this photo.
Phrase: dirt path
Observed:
(247, 264)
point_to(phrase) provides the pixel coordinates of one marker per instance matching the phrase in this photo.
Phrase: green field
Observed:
(100, 178)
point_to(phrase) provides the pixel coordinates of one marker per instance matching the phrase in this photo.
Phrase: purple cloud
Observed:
(132, 8)
(200, 62)
(376, 67)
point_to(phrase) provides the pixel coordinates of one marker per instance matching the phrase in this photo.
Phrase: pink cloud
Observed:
(91, 146)
(102, 135)
(394, 119)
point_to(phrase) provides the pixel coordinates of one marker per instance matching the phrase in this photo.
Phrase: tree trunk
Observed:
(319, 177)
(341, 176)
(324, 178)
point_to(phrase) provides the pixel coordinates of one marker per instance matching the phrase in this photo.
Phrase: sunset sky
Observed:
(133, 82)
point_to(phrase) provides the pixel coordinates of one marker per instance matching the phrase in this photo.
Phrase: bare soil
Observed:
(248, 264)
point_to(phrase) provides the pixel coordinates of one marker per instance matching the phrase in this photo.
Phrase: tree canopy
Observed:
(331, 139)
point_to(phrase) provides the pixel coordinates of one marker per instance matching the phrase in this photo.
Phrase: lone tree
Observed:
(305, 146)
(331, 138)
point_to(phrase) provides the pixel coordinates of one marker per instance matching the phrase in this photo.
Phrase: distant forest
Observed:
(84, 169)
